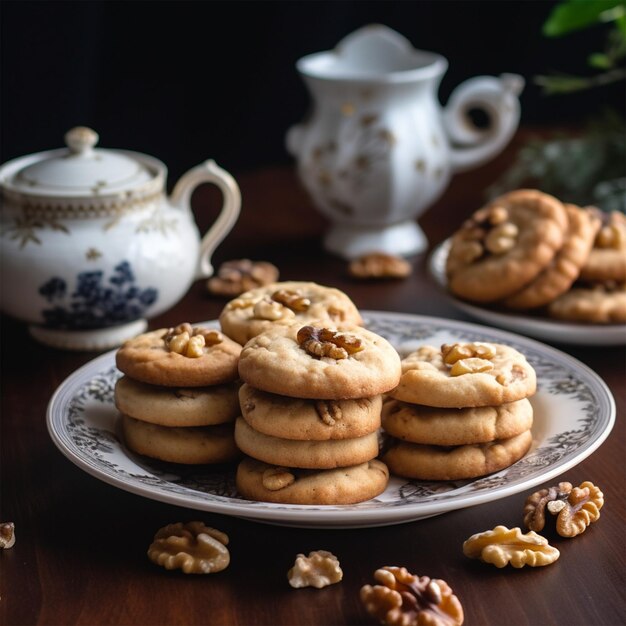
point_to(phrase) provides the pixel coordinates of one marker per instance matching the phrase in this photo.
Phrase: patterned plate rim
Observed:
(566, 449)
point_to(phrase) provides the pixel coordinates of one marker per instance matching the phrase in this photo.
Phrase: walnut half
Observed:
(321, 342)
(403, 599)
(7, 535)
(379, 265)
(190, 341)
(502, 546)
(192, 547)
(319, 569)
(235, 277)
(575, 507)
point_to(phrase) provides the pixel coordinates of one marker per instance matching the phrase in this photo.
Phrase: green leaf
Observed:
(621, 25)
(600, 61)
(561, 84)
(573, 15)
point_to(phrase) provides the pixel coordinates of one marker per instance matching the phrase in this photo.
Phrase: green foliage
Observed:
(574, 15)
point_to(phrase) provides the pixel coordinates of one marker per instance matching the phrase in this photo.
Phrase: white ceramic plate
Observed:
(574, 413)
(531, 325)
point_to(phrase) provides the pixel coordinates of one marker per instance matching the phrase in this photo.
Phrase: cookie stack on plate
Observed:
(178, 397)
(459, 412)
(527, 251)
(311, 407)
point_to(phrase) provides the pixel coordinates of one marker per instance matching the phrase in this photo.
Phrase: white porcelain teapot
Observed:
(91, 246)
(377, 149)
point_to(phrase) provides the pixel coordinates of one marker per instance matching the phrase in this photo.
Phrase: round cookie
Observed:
(455, 427)
(189, 446)
(286, 303)
(505, 245)
(276, 362)
(305, 454)
(414, 460)
(147, 359)
(564, 269)
(345, 485)
(318, 420)
(171, 406)
(428, 380)
(607, 259)
(601, 304)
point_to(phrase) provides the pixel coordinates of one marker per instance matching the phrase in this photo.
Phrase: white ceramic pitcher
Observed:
(378, 149)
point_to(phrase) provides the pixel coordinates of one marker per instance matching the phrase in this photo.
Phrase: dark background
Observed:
(185, 81)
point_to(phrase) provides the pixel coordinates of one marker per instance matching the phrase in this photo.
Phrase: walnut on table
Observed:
(319, 569)
(379, 265)
(502, 546)
(192, 547)
(403, 599)
(240, 275)
(575, 507)
(7, 535)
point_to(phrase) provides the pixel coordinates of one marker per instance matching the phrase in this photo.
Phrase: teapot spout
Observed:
(498, 98)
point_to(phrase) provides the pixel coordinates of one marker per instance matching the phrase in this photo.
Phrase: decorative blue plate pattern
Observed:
(574, 413)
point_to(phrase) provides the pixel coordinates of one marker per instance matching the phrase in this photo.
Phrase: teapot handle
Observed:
(209, 172)
(498, 97)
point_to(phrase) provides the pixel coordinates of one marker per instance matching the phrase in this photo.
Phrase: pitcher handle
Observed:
(209, 172)
(498, 97)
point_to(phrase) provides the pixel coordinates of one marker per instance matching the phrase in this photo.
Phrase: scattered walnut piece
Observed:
(235, 277)
(321, 342)
(501, 546)
(276, 478)
(575, 507)
(7, 535)
(319, 569)
(403, 599)
(192, 547)
(190, 341)
(380, 265)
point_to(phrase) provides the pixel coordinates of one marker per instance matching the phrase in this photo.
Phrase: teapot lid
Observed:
(80, 169)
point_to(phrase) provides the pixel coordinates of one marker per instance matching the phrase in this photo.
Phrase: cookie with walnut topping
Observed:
(465, 375)
(320, 362)
(317, 420)
(285, 303)
(602, 303)
(505, 245)
(607, 259)
(345, 485)
(173, 358)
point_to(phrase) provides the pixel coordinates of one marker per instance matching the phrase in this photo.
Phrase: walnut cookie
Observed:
(285, 303)
(453, 427)
(464, 375)
(177, 406)
(565, 268)
(345, 485)
(423, 462)
(505, 245)
(607, 259)
(151, 358)
(602, 303)
(317, 420)
(321, 363)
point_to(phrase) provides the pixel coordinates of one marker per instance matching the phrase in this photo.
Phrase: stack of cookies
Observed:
(528, 251)
(459, 412)
(311, 405)
(178, 397)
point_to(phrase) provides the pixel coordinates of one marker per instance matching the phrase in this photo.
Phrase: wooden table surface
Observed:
(80, 555)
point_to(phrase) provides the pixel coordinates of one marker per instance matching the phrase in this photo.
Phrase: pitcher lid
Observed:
(79, 169)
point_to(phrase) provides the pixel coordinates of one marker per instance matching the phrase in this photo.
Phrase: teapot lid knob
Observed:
(81, 140)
